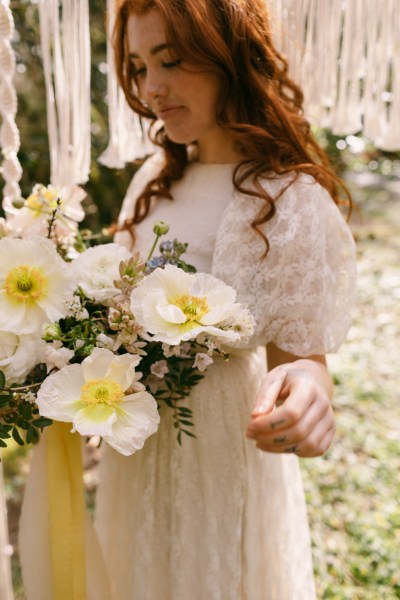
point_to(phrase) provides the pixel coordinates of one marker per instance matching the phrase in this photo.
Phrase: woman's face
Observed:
(183, 96)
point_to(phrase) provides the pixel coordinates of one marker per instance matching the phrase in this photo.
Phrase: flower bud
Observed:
(51, 332)
(161, 228)
(18, 202)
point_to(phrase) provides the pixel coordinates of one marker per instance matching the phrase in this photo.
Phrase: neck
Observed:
(218, 150)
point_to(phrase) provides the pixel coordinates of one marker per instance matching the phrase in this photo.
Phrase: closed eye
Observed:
(138, 72)
(171, 64)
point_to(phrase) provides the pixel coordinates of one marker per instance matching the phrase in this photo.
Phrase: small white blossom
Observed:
(104, 341)
(241, 321)
(202, 361)
(97, 268)
(56, 356)
(19, 355)
(171, 350)
(159, 368)
(29, 397)
(76, 310)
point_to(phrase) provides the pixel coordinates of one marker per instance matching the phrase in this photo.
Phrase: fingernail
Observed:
(261, 409)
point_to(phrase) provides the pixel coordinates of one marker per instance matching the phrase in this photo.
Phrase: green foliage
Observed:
(19, 417)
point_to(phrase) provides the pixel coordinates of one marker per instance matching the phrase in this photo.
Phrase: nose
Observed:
(154, 86)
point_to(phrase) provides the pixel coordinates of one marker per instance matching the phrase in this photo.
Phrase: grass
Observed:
(353, 491)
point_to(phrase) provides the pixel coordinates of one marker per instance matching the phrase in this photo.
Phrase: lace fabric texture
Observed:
(218, 519)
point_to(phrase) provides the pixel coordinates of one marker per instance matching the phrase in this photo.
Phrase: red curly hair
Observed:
(259, 106)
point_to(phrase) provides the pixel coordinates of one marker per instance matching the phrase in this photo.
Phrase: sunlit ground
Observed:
(353, 493)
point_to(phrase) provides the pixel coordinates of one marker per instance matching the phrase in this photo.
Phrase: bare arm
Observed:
(292, 411)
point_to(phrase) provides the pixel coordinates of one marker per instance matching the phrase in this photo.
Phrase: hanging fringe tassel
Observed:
(9, 134)
(128, 133)
(65, 42)
(345, 54)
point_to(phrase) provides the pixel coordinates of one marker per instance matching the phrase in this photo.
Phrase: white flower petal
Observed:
(137, 419)
(59, 395)
(214, 289)
(122, 369)
(96, 365)
(171, 313)
(97, 268)
(95, 419)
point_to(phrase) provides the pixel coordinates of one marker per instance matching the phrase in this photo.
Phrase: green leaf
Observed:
(4, 434)
(42, 422)
(3, 444)
(184, 422)
(4, 400)
(189, 433)
(2, 380)
(30, 435)
(17, 437)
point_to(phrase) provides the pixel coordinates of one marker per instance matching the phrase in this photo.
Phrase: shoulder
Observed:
(303, 207)
(149, 170)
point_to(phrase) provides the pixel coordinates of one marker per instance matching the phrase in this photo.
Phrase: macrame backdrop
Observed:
(9, 135)
(65, 42)
(344, 53)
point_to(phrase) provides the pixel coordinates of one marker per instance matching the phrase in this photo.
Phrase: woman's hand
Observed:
(292, 411)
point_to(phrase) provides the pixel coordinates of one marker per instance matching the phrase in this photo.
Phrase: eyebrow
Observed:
(153, 51)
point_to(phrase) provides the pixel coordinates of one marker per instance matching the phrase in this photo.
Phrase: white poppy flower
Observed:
(97, 268)
(35, 284)
(19, 355)
(174, 305)
(33, 217)
(96, 396)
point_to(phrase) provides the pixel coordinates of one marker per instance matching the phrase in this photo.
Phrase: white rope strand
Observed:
(65, 42)
(9, 134)
(128, 133)
(345, 54)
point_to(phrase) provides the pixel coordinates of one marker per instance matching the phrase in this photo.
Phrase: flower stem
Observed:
(153, 247)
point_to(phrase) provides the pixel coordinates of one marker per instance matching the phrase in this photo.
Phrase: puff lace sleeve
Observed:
(302, 293)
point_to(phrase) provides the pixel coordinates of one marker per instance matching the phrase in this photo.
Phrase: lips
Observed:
(167, 112)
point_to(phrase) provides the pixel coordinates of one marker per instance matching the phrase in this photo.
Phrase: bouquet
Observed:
(94, 336)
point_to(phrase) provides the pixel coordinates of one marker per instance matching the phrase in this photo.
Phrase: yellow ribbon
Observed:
(66, 512)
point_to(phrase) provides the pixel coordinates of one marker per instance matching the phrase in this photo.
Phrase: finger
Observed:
(269, 392)
(297, 433)
(316, 444)
(287, 414)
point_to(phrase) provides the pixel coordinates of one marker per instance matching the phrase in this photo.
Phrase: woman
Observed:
(240, 177)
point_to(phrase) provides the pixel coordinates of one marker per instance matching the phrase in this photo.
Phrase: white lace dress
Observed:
(218, 519)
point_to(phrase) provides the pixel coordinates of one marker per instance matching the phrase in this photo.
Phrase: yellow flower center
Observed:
(193, 307)
(102, 391)
(45, 201)
(25, 284)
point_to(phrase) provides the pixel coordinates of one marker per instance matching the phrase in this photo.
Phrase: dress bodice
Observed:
(193, 215)
(301, 294)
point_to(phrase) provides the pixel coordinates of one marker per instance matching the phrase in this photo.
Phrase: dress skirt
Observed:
(213, 519)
